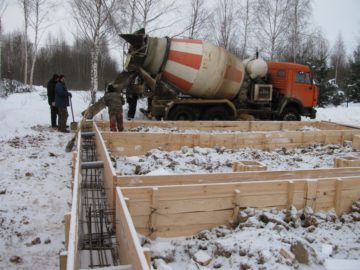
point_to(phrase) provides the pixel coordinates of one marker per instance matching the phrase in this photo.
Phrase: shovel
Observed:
(73, 124)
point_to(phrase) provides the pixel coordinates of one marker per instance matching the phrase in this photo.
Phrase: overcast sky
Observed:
(333, 16)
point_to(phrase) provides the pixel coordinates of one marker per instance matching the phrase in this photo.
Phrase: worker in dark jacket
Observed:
(51, 99)
(113, 100)
(62, 96)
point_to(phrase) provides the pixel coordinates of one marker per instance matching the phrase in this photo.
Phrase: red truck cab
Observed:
(296, 92)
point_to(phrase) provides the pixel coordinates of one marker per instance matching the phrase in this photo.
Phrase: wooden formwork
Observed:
(180, 205)
(131, 144)
(244, 126)
(187, 209)
(131, 255)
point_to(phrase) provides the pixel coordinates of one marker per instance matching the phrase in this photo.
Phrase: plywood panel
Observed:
(109, 174)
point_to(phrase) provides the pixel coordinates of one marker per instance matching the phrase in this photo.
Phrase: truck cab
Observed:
(294, 90)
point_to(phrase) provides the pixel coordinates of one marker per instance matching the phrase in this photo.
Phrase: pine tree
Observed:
(353, 82)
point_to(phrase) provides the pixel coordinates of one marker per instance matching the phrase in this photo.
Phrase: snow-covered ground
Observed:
(341, 114)
(35, 174)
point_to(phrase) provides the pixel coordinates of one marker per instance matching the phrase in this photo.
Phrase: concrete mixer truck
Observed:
(187, 79)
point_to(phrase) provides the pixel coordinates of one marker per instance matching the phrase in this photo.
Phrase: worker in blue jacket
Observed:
(62, 96)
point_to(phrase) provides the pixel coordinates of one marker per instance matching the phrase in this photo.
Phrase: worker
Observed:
(51, 99)
(131, 98)
(62, 96)
(113, 100)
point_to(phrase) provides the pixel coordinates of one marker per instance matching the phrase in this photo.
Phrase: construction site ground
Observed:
(35, 192)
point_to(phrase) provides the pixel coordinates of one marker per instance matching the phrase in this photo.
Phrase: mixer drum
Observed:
(198, 68)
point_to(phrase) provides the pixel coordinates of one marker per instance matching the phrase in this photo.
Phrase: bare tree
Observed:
(338, 59)
(199, 18)
(272, 18)
(226, 24)
(25, 6)
(131, 11)
(149, 12)
(93, 18)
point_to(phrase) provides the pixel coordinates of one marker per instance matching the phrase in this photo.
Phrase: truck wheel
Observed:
(216, 113)
(290, 114)
(182, 113)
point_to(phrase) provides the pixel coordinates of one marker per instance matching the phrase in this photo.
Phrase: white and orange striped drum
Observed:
(198, 68)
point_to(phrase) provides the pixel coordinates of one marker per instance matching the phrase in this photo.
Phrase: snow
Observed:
(35, 193)
(341, 114)
(336, 264)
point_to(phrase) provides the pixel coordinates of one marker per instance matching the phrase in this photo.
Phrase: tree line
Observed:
(59, 57)
(281, 30)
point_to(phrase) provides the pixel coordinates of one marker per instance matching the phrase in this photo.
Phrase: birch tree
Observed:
(25, 6)
(93, 18)
(38, 22)
(246, 25)
(272, 17)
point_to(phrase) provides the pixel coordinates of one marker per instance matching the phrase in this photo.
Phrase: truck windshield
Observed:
(302, 77)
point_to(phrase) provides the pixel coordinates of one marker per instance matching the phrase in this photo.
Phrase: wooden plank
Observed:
(73, 242)
(338, 195)
(144, 180)
(124, 143)
(185, 219)
(109, 174)
(207, 191)
(232, 125)
(130, 251)
(67, 218)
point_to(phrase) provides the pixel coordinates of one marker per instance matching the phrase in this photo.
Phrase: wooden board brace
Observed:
(235, 215)
(153, 214)
(291, 193)
(311, 193)
(338, 195)
(67, 218)
(63, 260)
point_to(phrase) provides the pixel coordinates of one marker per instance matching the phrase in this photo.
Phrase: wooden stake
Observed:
(63, 260)
(154, 208)
(237, 206)
(338, 195)
(311, 190)
(291, 193)
(67, 218)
